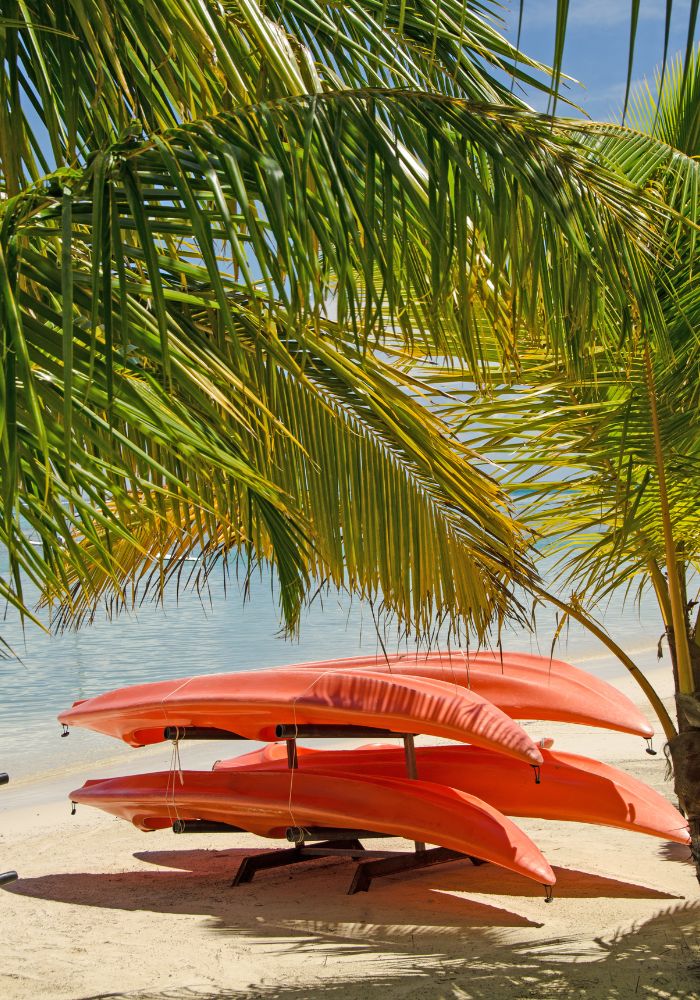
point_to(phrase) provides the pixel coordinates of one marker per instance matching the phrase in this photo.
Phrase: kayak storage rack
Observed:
(11, 876)
(314, 842)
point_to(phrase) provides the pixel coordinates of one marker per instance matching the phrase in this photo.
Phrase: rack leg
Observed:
(409, 750)
(272, 859)
(368, 870)
(292, 856)
(6, 877)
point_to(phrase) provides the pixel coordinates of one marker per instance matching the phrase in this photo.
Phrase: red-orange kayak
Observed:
(252, 703)
(268, 802)
(573, 787)
(522, 685)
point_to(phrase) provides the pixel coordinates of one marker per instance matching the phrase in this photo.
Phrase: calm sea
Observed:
(188, 636)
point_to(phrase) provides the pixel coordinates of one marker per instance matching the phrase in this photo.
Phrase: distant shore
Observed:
(102, 909)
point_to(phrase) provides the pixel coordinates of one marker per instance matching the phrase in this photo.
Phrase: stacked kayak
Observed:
(252, 704)
(571, 787)
(463, 791)
(523, 686)
(259, 802)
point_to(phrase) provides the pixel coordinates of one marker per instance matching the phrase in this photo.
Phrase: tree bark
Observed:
(683, 751)
(684, 756)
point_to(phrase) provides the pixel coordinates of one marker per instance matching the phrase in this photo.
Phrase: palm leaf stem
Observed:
(661, 590)
(678, 615)
(588, 623)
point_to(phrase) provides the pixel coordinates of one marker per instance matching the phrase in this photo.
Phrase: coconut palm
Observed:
(222, 228)
(607, 465)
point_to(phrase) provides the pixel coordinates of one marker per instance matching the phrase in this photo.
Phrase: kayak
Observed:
(253, 703)
(267, 803)
(521, 685)
(572, 787)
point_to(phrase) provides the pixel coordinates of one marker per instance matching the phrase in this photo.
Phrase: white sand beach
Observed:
(102, 910)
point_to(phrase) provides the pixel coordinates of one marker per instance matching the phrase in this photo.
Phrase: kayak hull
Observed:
(253, 703)
(572, 787)
(522, 685)
(268, 802)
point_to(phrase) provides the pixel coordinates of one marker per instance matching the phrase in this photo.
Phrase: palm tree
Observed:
(223, 228)
(607, 464)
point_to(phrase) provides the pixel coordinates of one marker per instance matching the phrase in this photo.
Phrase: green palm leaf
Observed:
(606, 466)
(216, 223)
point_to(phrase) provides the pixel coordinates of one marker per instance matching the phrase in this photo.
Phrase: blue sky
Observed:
(597, 44)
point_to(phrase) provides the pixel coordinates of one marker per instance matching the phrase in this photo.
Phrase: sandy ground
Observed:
(102, 910)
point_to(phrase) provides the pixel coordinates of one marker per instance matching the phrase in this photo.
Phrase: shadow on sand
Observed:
(454, 947)
(676, 852)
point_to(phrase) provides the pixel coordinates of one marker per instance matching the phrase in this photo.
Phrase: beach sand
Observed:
(102, 910)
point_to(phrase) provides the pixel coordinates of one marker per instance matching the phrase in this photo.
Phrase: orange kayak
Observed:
(265, 803)
(572, 787)
(522, 685)
(252, 703)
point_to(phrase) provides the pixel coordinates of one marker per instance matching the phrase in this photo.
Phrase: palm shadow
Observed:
(657, 958)
(676, 852)
(450, 947)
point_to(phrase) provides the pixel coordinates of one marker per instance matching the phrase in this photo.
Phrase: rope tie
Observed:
(174, 769)
(175, 762)
(290, 806)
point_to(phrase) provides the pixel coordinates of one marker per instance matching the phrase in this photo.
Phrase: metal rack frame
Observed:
(11, 876)
(315, 842)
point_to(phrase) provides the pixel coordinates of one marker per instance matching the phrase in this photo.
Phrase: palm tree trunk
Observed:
(683, 750)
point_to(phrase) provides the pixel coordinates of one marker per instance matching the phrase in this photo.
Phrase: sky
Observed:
(597, 45)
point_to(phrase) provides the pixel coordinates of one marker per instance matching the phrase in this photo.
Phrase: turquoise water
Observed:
(187, 637)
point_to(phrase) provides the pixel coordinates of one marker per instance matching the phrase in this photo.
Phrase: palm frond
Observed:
(216, 221)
